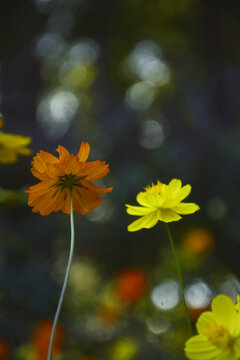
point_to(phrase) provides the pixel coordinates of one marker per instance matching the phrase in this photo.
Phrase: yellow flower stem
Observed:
(179, 272)
(64, 283)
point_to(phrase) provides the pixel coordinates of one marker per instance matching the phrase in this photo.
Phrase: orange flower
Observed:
(41, 338)
(63, 176)
(131, 285)
(198, 241)
(108, 315)
(196, 312)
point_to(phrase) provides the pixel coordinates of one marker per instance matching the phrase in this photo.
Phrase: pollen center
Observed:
(69, 181)
(154, 189)
(220, 336)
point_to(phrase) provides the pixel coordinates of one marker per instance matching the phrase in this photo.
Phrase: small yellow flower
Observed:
(124, 349)
(12, 146)
(161, 202)
(219, 332)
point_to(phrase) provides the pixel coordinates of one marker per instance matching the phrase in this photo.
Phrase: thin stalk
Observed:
(64, 283)
(180, 278)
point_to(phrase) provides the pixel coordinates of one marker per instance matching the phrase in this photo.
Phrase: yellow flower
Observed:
(161, 202)
(219, 332)
(11, 146)
(124, 349)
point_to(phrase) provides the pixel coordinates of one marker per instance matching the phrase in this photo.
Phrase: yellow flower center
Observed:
(69, 181)
(154, 189)
(220, 336)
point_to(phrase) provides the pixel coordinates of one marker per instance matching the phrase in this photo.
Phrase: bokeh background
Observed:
(153, 86)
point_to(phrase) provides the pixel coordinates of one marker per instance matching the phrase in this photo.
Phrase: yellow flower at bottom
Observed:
(12, 146)
(161, 202)
(219, 332)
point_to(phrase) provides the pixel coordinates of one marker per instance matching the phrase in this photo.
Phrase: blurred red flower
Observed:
(4, 350)
(131, 285)
(194, 313)
(41, 338)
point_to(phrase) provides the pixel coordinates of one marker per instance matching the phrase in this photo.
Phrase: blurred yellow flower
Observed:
(124, 349)
(12, 146)
(219, 332)
(161, 202)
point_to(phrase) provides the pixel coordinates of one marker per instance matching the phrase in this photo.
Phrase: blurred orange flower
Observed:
(194, 313)
(63, 176)
(131, 285)
(108, 315)
(197, 241)
(41, 338)
(4, 350)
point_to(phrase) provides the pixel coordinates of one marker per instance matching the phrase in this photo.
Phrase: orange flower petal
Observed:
(73, 166)
(64, 155)
(65, 201)
(41, 188)
(83, 152)
(92, 187)
(85, 201)
(63, 152)
(95, 170)
(46, 204)
(39, 164)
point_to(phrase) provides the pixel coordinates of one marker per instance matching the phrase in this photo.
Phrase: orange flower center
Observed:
(69, 181)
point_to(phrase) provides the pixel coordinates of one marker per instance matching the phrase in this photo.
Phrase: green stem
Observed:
(64, 283)
(179, 272)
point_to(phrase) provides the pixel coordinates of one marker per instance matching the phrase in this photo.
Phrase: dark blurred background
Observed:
(153, 86)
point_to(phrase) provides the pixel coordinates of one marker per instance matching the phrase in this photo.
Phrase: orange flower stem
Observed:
(180, 278)
(64, 283)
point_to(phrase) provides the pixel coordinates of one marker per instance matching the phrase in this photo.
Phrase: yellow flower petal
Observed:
(199, 348)
(11, 146)
(182, 193)
(227, 355)
(14, 141)
(153, 219)
(7, 156)
(167, 215)
(154, 200)
(138, 210)
(205, 322)
(175, 185)
(224, 309)
(186, 208)
(142, 199)
(146, 221)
